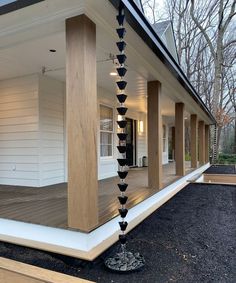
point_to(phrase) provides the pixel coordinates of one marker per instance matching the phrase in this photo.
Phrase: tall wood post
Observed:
(194, 141)
(81, 106)
(173, 142)
(201, 142)
(154, 135)
(207, 137)
(179, 139)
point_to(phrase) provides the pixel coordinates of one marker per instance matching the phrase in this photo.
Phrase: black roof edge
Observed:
(16, 5)
(143, 28)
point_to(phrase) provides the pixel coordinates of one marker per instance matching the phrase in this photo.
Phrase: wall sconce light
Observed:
(140, 127)
(113, 73)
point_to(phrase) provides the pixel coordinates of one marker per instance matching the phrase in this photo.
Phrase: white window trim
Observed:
(164, 138)
(103, 158)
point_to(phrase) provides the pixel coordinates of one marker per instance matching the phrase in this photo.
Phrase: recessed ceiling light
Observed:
(185, 118)
(52, 50)
(113, 74)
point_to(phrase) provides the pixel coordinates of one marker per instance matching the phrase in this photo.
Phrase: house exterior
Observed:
(39, 158)
(58, 103)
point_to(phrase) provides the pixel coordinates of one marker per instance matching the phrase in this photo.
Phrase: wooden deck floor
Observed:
(48, 205)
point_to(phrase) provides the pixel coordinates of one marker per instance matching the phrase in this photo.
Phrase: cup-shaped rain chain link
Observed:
(215, 145)
(123, 261)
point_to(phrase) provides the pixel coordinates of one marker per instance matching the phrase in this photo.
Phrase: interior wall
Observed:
(19, 136)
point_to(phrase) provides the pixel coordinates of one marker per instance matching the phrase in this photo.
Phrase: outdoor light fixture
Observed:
(113, 74)
(140, 127)
(123, 261)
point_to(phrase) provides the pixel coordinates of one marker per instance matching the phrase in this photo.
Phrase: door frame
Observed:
(134, 135)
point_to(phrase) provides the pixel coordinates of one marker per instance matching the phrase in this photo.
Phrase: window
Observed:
(164, 137)
(106, 131)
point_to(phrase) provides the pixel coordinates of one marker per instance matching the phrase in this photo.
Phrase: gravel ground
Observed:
(221, 169)
(192, 239)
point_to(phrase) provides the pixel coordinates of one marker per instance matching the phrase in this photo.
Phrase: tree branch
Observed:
(207, 38)
(229, 43)
(231, 15)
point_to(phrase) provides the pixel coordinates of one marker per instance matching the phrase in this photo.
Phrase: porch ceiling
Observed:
(32, 56)
(24, 49)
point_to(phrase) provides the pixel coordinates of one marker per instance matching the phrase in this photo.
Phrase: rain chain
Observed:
(123, 261)
(215, 145)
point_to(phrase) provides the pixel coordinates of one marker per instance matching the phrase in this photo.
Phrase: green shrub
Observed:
(227, 159)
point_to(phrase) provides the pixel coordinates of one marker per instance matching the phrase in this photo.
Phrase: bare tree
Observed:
(215, 37)
(206, 46)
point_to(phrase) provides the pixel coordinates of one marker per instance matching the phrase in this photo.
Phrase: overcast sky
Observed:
(4, 2)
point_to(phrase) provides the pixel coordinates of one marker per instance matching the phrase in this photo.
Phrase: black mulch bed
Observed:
(221, 169)
(192, 238)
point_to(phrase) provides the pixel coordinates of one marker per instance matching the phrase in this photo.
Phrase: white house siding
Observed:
(19, 139)
(33, 132)
(51, 128)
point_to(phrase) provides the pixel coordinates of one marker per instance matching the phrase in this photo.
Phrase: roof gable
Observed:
(165, 31)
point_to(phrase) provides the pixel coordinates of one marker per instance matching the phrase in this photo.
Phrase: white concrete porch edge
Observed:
(86, 245)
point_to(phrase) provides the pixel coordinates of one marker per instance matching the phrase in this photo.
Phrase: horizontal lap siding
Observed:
(19, 139)
(51, 109)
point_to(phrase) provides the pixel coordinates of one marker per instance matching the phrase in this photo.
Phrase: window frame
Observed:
(108, 157)
(164, 138)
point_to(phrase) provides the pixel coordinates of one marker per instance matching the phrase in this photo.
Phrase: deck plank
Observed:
(48, 205)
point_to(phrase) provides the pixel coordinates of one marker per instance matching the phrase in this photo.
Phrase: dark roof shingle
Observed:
(160, 27)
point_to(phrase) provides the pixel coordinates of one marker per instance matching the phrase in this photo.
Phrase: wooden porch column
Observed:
(207, 136)
(81, 107)
(201, 142)
(154, 136)
(173, 142)
(179, 139)
(193, 141)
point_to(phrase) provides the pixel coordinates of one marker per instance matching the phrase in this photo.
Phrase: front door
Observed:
(131, 142)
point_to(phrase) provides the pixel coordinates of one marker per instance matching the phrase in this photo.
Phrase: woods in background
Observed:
(205, 33)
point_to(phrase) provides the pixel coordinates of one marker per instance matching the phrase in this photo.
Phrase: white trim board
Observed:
(87, 245)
